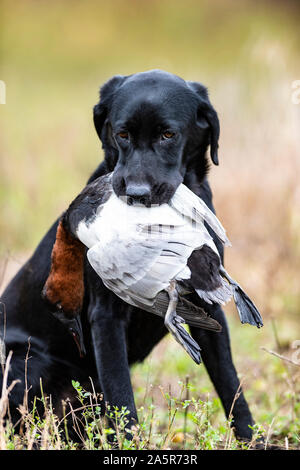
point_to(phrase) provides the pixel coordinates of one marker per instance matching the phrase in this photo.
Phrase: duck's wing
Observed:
(137, 271)
(191, 207)
(123, 266)
(140, 264)
(206, 280)
(191, 313)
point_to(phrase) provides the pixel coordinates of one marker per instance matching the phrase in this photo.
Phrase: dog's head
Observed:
(154, 128)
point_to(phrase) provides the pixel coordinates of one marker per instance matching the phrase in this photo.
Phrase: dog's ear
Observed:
(101, 109)
(64, 288)
(207, 115)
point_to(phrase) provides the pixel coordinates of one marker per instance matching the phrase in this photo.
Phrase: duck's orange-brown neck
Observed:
(65, 283)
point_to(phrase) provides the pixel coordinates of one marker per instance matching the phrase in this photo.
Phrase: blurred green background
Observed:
(53, 58)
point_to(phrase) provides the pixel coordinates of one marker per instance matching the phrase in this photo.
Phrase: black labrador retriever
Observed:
(155, 129)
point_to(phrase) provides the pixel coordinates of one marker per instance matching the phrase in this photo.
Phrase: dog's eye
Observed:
(123, 135)
(167, 135)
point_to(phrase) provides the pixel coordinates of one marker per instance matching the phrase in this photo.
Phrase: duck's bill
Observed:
(74, 327)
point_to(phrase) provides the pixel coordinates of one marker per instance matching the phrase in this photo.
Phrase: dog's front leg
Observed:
(216, 355)
(108, 331)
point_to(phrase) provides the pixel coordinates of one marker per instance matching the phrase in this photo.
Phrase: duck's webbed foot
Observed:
(173, 323)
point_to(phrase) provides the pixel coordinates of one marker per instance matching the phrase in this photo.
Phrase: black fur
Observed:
(117, 335)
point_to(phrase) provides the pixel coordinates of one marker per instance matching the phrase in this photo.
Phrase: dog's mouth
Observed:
(141, 202)
(163, 193)
(145, 202)
(158, 193)
(130, 201)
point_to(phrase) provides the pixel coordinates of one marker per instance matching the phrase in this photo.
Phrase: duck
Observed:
(153, 258)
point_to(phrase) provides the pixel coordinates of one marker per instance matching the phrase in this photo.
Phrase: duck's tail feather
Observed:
(247, 311)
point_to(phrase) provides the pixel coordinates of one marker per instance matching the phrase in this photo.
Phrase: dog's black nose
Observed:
(138, 194)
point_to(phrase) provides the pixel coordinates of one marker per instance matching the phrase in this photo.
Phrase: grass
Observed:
(53, 61)
(177, 407)
(198, 432)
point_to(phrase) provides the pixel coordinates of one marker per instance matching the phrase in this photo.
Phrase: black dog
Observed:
(155, 129)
